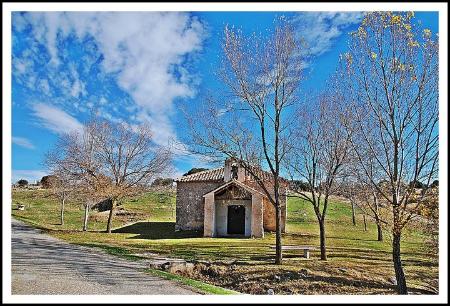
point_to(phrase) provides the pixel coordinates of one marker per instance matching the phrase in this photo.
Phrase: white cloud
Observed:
(321, 29)
(160, 124)
(146, 51)
(20, 22)
(30, 175)
(55, 119)
(44, 86)
(21, 65)
(23, 142)
(103, 101)
(76, 89)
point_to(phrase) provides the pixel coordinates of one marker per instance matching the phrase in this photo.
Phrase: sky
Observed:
(137, 67)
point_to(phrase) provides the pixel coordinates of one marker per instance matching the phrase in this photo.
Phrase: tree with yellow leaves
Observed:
(391, 74)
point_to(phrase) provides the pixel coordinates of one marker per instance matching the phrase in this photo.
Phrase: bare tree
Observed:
(348, 189)
(128, 159)
(62, 186)
(262, 76)
(356, 184)
(318, 156)
(108, 161)
(72, 161)
(363, 195)
(392, 76)
(353, 213)
(60, 182)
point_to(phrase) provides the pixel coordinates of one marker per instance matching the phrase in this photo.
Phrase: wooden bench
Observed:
(306, 249)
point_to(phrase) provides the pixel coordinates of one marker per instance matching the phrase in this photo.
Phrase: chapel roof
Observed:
(217, 175)
(207, 175)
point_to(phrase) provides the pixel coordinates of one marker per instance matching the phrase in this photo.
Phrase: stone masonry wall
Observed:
(269, 209)
(270, 216)
(190, 204)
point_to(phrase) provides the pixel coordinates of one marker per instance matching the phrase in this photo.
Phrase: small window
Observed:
(234, 171)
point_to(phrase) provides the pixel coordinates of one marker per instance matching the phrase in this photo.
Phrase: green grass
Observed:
(203, 287)
(153, 230)
(42, 209)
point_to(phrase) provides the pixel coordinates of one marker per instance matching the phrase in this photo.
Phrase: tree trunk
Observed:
(365, 224)
(353, 214)
(377, 218)
(323, 250)
(86, 215)
(279, 254)
(108, 227)
(380, 231)
(62, 210)
(399, 274)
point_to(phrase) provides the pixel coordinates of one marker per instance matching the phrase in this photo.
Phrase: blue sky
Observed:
(138, 67)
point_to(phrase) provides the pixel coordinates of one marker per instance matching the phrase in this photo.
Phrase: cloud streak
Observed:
(23, 142)
(55, 119)
(321, 29)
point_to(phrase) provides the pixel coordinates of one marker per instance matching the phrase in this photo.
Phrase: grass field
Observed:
(357, 263)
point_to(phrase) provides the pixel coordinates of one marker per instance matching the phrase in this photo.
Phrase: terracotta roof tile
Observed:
(218, 175)
(207, 175)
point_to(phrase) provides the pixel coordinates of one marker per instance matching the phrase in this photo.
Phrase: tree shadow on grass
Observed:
(418, 262)
(352, 238)
(156, 230)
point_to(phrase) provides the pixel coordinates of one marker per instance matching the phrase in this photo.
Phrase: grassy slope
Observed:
(353, 253)
(42, 209)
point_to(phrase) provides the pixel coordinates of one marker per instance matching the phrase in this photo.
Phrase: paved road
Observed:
(45, 265)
